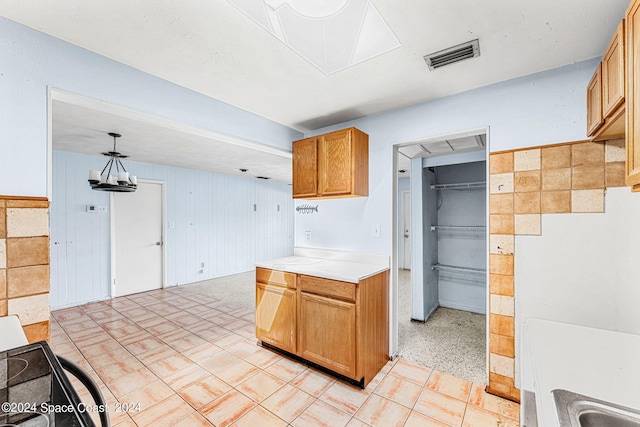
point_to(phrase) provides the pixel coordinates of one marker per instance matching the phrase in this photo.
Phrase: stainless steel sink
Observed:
(576, 410)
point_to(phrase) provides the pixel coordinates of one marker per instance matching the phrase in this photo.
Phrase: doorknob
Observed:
(158, 243)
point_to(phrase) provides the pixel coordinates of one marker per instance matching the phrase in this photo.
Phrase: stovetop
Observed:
(35, 392)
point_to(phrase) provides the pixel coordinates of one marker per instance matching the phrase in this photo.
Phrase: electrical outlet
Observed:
(307, 236)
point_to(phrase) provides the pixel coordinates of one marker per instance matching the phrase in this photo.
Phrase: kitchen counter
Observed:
(330, 264)
(592, 362)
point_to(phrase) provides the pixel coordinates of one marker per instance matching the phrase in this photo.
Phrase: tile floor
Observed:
(182, 358)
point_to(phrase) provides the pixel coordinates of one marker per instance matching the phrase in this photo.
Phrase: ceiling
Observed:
(216, 49)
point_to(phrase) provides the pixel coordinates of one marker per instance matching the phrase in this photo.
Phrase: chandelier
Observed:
(120, 181)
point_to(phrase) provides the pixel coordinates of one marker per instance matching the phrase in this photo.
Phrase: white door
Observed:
(137, 239)
(406, 229)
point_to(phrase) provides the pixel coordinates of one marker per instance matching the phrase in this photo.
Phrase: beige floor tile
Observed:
(131, 381)
(193, 420)
(161, 328)
(441, 407)
(170, 365)
(260, 386)
(244, 348)
(345, 397)
(228, 408)
(321, 414)
(416, 419)
(202, 352)
(187, 343)
(148, 395)
(204, 391)
(479, 417)
(444, 383)
(227, 340)
(119, 368)
(286, 369)
(186, 377)
(164, 413)
(378, 411)
(313, 382)
(144, 345)
(263, 358)
(219, 361)
(259, 416)
(238, 373)
(410, 372)
(288, 402)
(479, 397)
(398, 390)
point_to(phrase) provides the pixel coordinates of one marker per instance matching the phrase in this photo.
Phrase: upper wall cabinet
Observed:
(606, 92)
(331, 165)
(633, 95)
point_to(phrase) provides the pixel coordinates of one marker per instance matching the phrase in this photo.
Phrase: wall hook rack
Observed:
(307, 209)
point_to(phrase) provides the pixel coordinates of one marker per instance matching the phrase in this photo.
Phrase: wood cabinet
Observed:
(341, 326)
(633, 95)
(331, 165)
(606, 92)
(276, 308)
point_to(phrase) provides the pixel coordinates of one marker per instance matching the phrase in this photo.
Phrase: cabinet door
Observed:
(613, 74)
(632, 22)
(335, 163)
(305, 168)
(594, 102)
(276, 316)
(327, 333)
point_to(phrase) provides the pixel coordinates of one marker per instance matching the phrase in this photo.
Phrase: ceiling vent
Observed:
(454, 54)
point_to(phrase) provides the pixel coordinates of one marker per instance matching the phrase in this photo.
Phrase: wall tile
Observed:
(25, 251)
(503, 325)
(502, 345)
(501, 183)
(40, 331)
(501, 163)
(526, 160)
(556, 157)
(501, 284)
(26, 281)
(556, 179)
(3, 307)
(3, 253)
(615, 174)
(502, 244)
(527, 181)
(501, 224)
(502, 365)
(614, 151)
(501, 379)
(3, 222)
(555, 202)
(526, 203)
(501, 264)
(31, 309)
(587, 200)
(501, 304)
(587, 152)
(588, 176)
(25, 222)
(528, 224)
(3, 283)
(27, 203)
(501, 203)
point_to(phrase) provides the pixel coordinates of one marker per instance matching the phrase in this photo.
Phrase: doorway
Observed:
(137, 239)
(441, 311)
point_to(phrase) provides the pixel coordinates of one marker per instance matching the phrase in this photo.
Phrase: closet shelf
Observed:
(474, 228)
(459, 186)
(453, 268)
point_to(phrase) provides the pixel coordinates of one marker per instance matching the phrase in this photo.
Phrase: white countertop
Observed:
(592, 362)
(329, 264)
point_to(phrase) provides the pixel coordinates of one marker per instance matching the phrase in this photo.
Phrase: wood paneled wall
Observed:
(225, 221)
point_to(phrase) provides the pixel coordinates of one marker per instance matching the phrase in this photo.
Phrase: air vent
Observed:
(453, 54)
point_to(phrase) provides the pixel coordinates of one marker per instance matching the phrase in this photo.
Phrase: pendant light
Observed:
(120, 181)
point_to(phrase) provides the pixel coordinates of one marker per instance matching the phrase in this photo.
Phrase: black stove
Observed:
(35, 391)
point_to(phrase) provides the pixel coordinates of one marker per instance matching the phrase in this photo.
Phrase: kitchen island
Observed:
(330, 308)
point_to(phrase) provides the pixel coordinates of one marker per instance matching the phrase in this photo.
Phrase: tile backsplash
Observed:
(24, 263)
(523, 185)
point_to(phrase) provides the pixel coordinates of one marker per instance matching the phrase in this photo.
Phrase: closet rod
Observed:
(458, 186)
(459, 227)
(453, 268)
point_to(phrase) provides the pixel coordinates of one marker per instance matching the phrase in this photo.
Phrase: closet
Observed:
(455, 218)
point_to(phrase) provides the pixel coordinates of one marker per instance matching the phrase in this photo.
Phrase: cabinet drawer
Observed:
(331, 288)
(275, 277)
